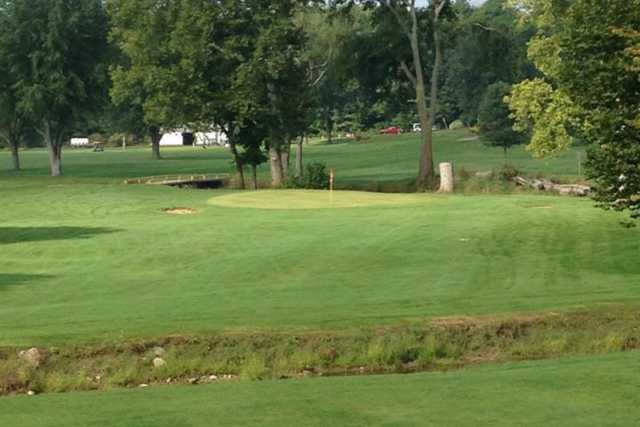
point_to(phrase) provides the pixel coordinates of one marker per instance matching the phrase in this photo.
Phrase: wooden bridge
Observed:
(195, 180)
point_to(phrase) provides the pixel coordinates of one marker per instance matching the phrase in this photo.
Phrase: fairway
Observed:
(599, 391)
(88, 261)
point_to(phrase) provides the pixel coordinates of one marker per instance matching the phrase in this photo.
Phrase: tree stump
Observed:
(446, 178)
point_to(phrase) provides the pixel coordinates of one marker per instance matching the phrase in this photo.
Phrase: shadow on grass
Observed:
(8, 281)
(10, 235)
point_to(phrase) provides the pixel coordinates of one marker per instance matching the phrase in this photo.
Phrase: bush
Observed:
(315, 177)
(456, 124)
(508, 172)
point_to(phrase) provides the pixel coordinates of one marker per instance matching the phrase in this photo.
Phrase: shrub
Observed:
(254, 369)
(456, 124)
(508, 172)
(315, 177)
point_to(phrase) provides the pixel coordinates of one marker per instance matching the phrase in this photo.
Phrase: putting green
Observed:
(316, 199)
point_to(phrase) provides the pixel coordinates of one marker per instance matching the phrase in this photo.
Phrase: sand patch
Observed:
(179, 211)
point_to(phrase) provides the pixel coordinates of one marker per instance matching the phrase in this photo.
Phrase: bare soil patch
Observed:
(180, 211)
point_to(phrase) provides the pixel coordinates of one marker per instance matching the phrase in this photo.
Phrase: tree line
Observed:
(268, 74)
(265, 73)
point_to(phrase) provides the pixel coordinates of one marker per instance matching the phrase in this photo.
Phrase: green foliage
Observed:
(508, 172)
(55, 50)
(494, 123)
(316, 176)
(588, 53)
(546, 113)
(487, 46)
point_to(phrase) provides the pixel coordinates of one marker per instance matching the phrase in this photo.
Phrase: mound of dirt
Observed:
(179, 211)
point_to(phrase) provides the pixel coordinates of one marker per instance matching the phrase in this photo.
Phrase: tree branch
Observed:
(399, 19)
(408, 72)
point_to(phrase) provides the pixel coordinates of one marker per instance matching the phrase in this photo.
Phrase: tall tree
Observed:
(147, 79)
(56, 57)
(490, 46)
(417, 27)
(54, 54)
(588, 54)
(12, 118)
(494, 121)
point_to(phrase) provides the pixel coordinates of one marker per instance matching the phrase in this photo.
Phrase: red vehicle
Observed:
(393, 130)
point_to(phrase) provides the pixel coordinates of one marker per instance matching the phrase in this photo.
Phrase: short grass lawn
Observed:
(86, 261)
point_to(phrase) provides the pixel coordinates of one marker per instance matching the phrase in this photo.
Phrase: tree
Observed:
(587, 52)
(406, 30)
(12, 117)
(147, 80)
(270, 87)
(495, 123)
(489, 45)
(55, 57)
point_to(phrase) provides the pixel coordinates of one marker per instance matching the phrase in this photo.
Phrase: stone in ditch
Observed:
(158, 351)
(32, 357)
(159, 362)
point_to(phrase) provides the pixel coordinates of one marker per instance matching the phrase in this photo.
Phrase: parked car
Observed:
(392, 130)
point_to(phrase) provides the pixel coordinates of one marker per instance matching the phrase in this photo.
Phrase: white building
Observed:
(79, 142)
(179, 139)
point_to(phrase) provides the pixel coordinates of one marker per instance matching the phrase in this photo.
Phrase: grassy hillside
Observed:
(383, 158)
(572, 392)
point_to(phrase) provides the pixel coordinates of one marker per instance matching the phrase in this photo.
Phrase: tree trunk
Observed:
(238, 163)
(254, 174)
(426, 173)
(275, 163)
(446, 178)
(299, 163)
(328, 125)
(285, 155)
(155, 142)
(54, 146)
(15, 155)
(435, 75)
(55, 157)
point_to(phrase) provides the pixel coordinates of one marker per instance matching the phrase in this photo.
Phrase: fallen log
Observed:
(546, 185)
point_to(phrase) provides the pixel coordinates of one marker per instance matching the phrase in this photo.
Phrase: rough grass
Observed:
(441, 345)
(596, 391)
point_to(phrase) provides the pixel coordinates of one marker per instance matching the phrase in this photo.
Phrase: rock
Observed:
(32, 357)
(143, 385)
(158, 351)
(213, 378)
(159, 362)
(193, 380)
(31, 393)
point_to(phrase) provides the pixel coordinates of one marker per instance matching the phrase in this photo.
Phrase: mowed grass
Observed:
(86, 258)
(381, 159)
(600, 391)
(84, 262)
